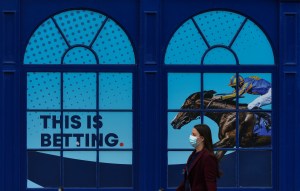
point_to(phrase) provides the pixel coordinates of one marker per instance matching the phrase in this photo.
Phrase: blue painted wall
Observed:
(150, 25)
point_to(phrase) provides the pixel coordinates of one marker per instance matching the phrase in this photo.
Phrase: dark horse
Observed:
(225, 120)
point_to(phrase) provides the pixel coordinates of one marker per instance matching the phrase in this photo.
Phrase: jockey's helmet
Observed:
(233, 80)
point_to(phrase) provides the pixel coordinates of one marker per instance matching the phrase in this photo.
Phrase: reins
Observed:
(209, 103)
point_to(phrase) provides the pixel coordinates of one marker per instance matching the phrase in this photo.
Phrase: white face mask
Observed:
(193, 141)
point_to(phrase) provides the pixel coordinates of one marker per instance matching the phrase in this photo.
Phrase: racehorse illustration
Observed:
(252, 132)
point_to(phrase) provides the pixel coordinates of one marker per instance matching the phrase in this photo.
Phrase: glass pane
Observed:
(176, 164)
(186, 46)
(223, 128)
(43, 169)
(228, 169)
(43, 90)
(180, 87)
(43, 130)
(80, 169)
(80, 55)
(116, 130)
(215, 37)
(115, 169)
(179, 138)
(213, 125)
(79, 26)
(255, 169)
(79, 37)
(257, 88)
(113, 46)
(79, 91)
(219, 27)
(46, 45)
(219, 83)
(252, 46)
(220, 56)
(115, 91)
(255, 129)
(80, 129)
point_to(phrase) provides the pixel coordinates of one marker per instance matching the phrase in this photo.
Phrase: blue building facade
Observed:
(102, 95)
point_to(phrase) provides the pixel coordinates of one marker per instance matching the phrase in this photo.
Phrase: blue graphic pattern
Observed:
(195, 41)
(46, 45)
(252, 46)
(79, 37)
(79, 91)
(80, 55)
(115, 91)
(219, 27)
(43, 90)
(79, 27)
(220, 56)
(112, 45)
(186, 46)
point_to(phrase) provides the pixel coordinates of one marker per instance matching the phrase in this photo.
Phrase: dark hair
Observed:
(205, 132)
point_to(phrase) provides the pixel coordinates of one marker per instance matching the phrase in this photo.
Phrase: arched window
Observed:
(213, 55)
(219, 37)
(79, 37)
(79, 108)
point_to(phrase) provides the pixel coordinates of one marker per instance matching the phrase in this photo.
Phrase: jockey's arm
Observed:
(243, 89)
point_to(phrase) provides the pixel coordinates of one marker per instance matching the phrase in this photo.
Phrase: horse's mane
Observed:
(206, 94)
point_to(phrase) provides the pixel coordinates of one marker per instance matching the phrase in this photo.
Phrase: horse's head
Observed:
(191, 103)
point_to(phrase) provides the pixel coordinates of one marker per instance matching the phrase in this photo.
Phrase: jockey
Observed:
(251, 85)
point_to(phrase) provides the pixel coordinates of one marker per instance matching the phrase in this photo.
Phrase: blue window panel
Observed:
(220, 56)
(79, 26)
(261, 87)
(46, 45)
(43, 90)
(219, 27)
(80, 55)
(79, 91)
(228, 168)
(180, 87)
(252, 46)
(115, 91)
(218, 82)
(112, 162)
(179, 138)
(214, 127)
(223, 128)
(186, 46)
(255, 169)
(42, 127)
(215, 38)
(116, 132)
(176, 164)
(80, 130)
(79, 169)
(43, 169)
(116, 157)
(31, 184)
(79, 37)
(113, 46)
(261, 129)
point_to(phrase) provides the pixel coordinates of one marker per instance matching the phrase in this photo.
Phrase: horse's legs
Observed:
(246, 130)
(227, 141)
(246, 125)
